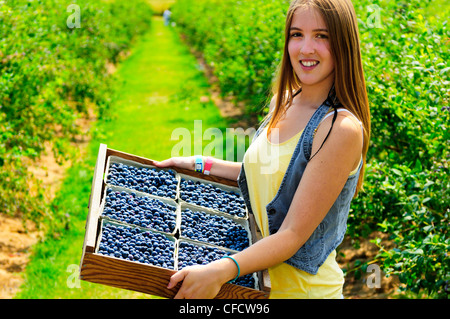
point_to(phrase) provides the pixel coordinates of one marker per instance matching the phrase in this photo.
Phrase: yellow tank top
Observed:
(265, 164)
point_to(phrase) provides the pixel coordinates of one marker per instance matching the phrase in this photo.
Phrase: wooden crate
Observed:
(121, 273)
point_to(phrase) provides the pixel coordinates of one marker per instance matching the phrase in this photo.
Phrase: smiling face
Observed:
(309, 49)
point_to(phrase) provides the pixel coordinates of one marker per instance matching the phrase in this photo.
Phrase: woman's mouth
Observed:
(309, 64)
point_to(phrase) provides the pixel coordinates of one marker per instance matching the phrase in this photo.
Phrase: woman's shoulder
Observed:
(347, 129)
(343, 114)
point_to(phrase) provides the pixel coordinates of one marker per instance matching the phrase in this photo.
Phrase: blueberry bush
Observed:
(405, 52)
(50, 71)
(240, 40)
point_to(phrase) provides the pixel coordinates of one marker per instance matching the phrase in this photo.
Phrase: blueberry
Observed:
(190, 254)
(210, 196)
(140, 211)
(136, 245)
(149, 180)
(217, 230)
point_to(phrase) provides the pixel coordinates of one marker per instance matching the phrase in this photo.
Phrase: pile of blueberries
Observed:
(210, 196)
(190, 254)
(148, 180)
(136, 245)
(213, 229)
(140, 211)
(130, 242)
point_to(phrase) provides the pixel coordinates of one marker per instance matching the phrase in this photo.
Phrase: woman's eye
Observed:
(296, 35)
(322, 36)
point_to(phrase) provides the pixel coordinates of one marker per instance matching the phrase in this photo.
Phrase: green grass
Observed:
(439, 8)
(160, 91)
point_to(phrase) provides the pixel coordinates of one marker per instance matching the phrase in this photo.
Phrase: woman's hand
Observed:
(198, 283)
(220, 168)
(203, 281)
(182, 162)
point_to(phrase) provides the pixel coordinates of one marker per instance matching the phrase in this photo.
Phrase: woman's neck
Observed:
(314, 96)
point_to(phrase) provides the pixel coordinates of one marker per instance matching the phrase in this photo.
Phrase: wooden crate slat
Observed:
(147, 279)
(94, 201)
(127, 275)
(229, 291)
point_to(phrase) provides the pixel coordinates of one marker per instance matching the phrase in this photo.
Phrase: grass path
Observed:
(161, 90)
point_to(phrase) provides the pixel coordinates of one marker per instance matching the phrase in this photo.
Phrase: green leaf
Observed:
(418, 166)
(444, 70)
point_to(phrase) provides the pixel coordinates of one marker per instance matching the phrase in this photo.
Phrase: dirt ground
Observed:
(358, 287)
(17, 239)
(15, 244)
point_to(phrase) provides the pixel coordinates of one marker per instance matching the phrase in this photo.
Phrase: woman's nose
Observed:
(307, 46)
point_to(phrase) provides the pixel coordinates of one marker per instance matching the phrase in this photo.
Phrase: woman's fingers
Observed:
(198, 282)
(182, 162)
(165, 163)
(176, 278)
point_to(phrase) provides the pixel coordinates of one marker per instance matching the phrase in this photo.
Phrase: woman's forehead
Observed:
(307, 18)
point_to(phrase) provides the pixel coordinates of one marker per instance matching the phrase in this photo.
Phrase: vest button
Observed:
(271, 211)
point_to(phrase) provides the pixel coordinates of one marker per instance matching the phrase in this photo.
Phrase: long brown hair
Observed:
(349, 81)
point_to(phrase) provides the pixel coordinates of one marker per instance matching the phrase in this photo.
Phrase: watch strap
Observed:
(198, 164)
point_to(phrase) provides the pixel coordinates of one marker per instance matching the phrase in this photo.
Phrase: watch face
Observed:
(198, 166)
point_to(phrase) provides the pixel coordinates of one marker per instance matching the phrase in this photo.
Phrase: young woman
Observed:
(317, 134)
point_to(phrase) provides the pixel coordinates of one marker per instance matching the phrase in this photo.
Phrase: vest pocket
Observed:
(314, 246)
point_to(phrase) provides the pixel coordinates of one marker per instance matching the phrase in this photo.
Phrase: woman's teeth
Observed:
(309, 63)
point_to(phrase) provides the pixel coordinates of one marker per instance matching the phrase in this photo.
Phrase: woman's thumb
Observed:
(176, 278)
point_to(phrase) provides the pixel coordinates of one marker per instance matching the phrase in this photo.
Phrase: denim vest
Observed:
(330, 232)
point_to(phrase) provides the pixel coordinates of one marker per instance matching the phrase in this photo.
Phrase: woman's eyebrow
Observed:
(315, 30)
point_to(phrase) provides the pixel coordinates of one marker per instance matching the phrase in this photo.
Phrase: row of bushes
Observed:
(53, 63)
(405, 55)
(240, 40)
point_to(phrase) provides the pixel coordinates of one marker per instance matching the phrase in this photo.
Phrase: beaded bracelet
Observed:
(239, 269)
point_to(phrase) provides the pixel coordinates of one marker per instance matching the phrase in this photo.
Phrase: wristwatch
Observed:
(198, 164)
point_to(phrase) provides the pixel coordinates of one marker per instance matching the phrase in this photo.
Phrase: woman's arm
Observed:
(221, 168)
(226, 169)
(322, 181)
